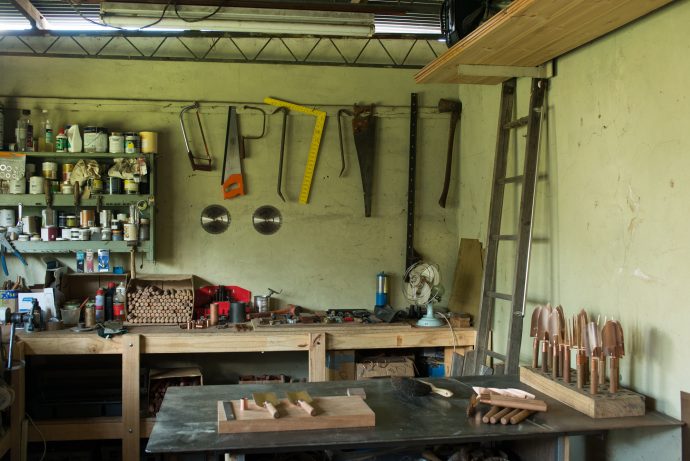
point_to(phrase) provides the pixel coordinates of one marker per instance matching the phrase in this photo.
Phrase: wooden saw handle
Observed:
(311, 411)
(271, 409)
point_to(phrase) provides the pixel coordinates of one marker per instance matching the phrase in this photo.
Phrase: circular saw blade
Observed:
(215, 219)
(267, 220)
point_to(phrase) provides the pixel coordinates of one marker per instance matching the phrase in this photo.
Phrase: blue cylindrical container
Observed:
(381, 289)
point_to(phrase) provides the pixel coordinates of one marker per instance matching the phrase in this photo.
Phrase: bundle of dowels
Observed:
(155, 305)
(508, 406)
(555, 338)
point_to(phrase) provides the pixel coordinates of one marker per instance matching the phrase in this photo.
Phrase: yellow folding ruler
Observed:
(313, 147)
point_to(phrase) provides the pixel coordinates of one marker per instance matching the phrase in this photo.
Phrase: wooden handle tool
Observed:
(271, 409)
(594, 376)
(613, 378)
(438, 390)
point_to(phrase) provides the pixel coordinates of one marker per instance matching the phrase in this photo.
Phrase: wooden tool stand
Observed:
(331, 413)
(601, 405)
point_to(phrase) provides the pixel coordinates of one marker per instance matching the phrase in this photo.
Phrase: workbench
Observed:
(315, 341)
(187, 421)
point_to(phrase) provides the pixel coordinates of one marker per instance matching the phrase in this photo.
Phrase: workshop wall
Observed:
(614, 206)
(326, 254)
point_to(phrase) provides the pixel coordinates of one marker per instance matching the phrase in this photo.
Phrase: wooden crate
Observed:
(602, 405)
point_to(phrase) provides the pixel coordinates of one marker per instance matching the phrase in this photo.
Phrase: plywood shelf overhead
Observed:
(529, 33)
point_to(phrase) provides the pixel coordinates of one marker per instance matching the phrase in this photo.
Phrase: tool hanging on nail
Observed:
(364, 131)
(313, 147)
(243, 149)
(232, 180)
(455, 109)
(411, 255)
(279, 187)
(198, 163)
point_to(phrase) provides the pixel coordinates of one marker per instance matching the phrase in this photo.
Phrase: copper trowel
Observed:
(302, 399)
(268, 400)
(533, 332)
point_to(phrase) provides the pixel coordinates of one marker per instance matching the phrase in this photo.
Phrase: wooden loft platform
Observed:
(529, 33)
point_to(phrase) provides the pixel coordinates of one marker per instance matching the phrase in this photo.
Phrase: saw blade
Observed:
(215, 219)
(267, 220)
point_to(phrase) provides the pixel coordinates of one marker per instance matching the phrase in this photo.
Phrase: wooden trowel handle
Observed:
(311, 411)
(438, 390)
(271, 409)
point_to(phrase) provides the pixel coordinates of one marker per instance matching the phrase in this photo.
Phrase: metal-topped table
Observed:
(187, 421)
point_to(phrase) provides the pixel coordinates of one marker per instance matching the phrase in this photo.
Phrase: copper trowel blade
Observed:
(262, 397)
(619, 339)
(534, 327)
(554, 327)
(608, 339)
(295, 397)
(543, 327)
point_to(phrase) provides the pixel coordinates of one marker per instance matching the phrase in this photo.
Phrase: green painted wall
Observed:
(326, 254)
(614, 205)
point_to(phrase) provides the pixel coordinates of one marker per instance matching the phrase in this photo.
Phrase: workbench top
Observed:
(187, 421)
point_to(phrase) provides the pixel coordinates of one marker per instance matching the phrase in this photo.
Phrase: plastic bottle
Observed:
(100, 305)
(22, 124)
(119, 302)
(61, 141)
(45, 141)
(74, 139)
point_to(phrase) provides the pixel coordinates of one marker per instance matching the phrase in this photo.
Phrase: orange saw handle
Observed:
(233, 186)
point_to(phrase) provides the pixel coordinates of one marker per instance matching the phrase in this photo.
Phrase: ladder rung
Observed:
(496, 355)
(522, 121)
(493, 294)
(511, 179)
(504, 237)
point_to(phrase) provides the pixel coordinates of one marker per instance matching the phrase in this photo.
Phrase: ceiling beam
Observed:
(29, 11)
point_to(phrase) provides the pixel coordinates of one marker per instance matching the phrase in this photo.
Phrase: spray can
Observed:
(100, 305)
(381, 289)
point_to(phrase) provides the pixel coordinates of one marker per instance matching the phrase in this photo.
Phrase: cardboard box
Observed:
(77, 286)
(161, 379)
(45, 298)
(341, 365)
(381, 367)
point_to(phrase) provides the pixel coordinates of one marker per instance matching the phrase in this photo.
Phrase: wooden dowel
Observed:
(514, 402)
(594, 377)
(497, 417)
(524, 414)
(506, 419)
(487, 417)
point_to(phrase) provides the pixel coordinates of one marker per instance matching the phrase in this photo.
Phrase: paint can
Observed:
(238, 312)
(149, 142)
(71, 220)
(66, 233)
(104, 218)
(36, 184)
(95, 233)
(49, 217)
(144, 229)
(95, 139)
(87, 218)
(89, 316)
(67, 169)
(17, 186)
(66, 188)
(213, 315)
(114, 185)
(74, 233)
(106, 234)
(8, 217)
(131, 187)
(122, 218)
(49, 170)
(130, 232)
(84, 234)
(132, 143)
(116, 143)
(96, 185)
(117, 235)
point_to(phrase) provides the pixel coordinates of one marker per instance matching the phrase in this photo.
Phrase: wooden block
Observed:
(602, 405)
(467, 283)
(331, 413)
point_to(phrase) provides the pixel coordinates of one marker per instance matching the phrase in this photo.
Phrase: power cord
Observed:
(45, 445)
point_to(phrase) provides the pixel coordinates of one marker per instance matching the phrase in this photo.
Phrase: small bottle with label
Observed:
(100, 305)
(119, 302)
(61, 141)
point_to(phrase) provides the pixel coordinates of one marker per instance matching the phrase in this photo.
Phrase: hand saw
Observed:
(232, 180)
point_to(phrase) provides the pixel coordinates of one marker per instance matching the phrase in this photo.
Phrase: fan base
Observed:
(429, 320)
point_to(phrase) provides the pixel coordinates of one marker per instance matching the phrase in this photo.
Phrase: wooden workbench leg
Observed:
(317, 357)
(130, 397)
(18, 409)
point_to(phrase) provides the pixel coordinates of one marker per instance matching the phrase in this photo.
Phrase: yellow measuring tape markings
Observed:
(313, 147)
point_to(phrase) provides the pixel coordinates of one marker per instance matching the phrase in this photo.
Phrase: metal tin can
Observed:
(66, 233)
(149, 142)
(74, 233)
(49, 170)
(131, 187)
(144, 230)
(71, 220)
(106, 234)
(36, 184)
(95, 139)
(35, 238)
(84, 234)
(114, 185)
(66, 188)
(23, 237)
(49, 217)
(96, 185)
(7, 217)
(87, 218)
(122, 217)
(116, 143)
(117, 235)
(67, 169)
(31, 224)
(49, 233)
(17, 186)
(104, 218)
(95, 233)
(130, 232)
(132, 143)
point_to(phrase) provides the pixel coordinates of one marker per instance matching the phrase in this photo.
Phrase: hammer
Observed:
(455, 108)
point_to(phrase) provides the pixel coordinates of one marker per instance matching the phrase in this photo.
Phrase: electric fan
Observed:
(422, 286)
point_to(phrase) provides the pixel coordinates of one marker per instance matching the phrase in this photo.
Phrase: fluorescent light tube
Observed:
(229, 19)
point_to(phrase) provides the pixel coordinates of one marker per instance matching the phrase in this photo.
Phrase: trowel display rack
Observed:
(32, 204)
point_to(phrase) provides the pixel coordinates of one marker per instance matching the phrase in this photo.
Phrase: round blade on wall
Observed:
(267, 220)
(215, 219)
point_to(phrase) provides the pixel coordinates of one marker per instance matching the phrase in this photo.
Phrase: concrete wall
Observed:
(614, 206)
(326, 254)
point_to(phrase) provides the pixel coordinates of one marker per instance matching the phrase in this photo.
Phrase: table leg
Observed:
(131, 422)
(317, 357)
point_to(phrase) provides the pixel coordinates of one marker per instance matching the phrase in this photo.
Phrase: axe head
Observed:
(446, 105)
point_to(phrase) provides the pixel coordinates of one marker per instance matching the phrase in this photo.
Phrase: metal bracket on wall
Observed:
(545, 70)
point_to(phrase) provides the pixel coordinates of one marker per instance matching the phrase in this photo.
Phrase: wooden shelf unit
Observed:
(170, 340)
(529, 33)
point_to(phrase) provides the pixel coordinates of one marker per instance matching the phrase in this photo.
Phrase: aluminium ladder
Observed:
(523, 235)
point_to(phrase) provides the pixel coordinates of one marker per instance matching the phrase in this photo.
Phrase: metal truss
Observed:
(393, 52)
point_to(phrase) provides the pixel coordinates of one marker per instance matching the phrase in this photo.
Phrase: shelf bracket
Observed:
(482, 70)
